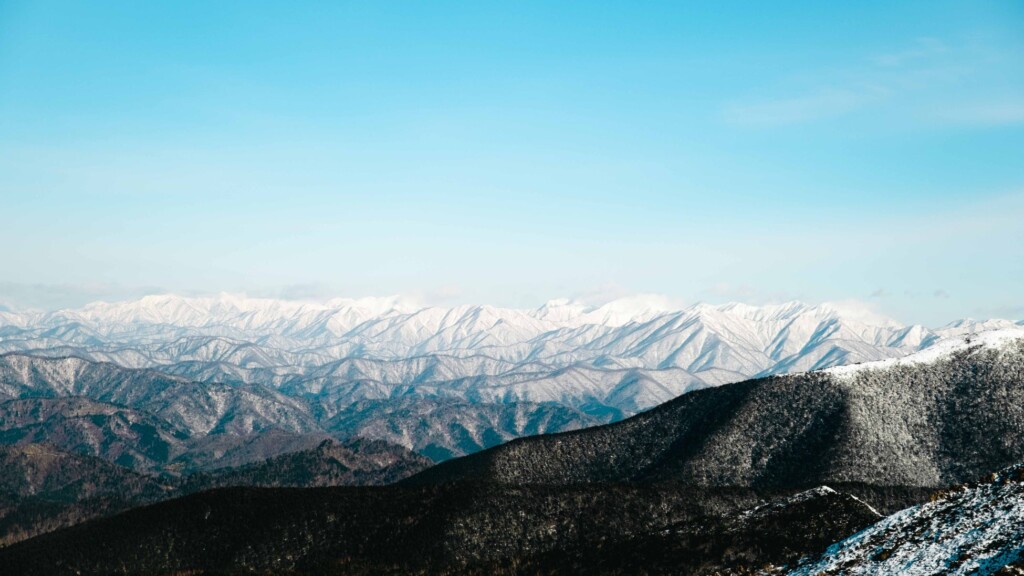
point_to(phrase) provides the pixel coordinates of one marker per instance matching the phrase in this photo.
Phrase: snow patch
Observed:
(994, 339)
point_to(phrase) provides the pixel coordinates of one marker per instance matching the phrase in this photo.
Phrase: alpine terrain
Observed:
(903, 464)
(441, 381)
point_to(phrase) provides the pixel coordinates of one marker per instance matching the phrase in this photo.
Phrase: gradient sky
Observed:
(514, 152)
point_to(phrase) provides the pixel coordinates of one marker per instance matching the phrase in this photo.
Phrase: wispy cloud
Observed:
(926, 76)
(302, 291)
(1005, 113)
(828, 101)
(922, 48)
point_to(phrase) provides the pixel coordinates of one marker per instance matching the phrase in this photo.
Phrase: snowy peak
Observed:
(715, 343)
(990, 340)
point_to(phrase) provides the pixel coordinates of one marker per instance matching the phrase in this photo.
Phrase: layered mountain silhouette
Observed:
(443, 381)
(43, 488)
(331, 463)
(777, 474)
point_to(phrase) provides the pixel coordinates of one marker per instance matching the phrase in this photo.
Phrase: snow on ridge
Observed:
(937, 351)
(969, 530)
(718, 343)
(800, 497)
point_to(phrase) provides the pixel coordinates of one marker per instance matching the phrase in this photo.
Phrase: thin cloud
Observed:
(923, 48)
(306, 291)
(820, 104)
(447, 294)
(875, 81)
(981, 114)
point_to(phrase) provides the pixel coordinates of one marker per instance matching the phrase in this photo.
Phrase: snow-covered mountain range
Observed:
(389, 359)
(719, 342)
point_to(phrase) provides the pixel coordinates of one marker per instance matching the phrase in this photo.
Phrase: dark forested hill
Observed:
(43, 488)
(332, 463)
(464, 528)
(928, 421)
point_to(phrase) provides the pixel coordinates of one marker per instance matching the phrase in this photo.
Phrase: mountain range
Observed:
(638, 332)
(442, 381)
(904, 465)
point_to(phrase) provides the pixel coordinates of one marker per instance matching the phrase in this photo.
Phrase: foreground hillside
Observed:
(973, 529)
(945, 416)
(465, 528)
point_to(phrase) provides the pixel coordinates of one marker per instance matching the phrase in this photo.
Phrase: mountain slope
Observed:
(677, 488)
(454, 529)
(976, 529)
(632, 333)
(117, 434)
(200, 408)
(943, 418)
(46, 472)
(354, 463)
(443, 429)
(43, 488)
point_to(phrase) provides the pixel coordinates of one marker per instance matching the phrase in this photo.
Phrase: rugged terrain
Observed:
(43, 488)
(353, 463)
(969, 529)
(474, 376)
(238, 436)
(947, 415)
(723, 480)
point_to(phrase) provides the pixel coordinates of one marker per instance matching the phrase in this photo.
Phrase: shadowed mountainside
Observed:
(464, 528)
(927, 422)
(332, 463)
(43, 488)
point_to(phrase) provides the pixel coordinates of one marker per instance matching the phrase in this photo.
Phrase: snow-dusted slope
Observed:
(993, 339)
(627, 355)
(970, 530)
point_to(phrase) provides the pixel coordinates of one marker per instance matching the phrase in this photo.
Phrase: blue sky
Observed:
(510, 153)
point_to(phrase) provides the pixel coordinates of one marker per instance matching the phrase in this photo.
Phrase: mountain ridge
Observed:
(316, 361)
(948, 420)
